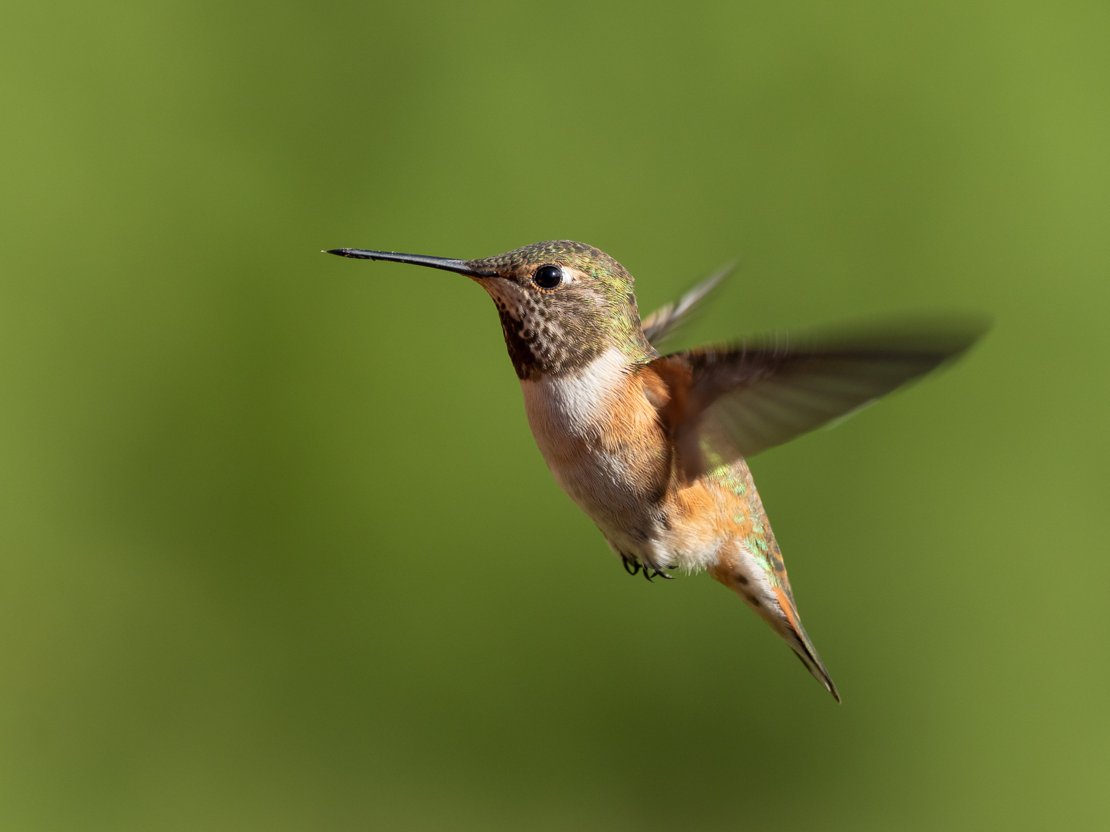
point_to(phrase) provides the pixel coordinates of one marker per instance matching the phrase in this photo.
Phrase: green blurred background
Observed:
(277, 549)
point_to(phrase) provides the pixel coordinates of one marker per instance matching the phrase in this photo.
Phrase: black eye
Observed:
(548, 277)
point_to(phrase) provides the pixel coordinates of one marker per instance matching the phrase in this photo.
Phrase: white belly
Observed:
(585, 425)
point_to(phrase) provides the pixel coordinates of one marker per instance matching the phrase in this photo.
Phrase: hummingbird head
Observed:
(561, 303)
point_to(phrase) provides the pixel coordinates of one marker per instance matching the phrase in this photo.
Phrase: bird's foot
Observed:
(650, 573)
(631, 565)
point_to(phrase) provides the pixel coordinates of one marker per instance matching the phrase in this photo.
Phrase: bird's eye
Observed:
(548, 277)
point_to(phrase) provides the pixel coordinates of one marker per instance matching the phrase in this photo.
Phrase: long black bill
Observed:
(460, 266)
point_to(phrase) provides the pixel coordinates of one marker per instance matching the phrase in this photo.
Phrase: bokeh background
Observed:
(277, 550)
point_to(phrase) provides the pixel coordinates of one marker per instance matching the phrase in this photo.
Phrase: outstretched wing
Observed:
(735, 401)
(667, 319)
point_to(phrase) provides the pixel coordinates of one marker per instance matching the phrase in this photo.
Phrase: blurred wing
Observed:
(735, 401)
(667, 319)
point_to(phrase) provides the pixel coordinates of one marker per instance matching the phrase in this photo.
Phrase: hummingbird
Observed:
(653, 447)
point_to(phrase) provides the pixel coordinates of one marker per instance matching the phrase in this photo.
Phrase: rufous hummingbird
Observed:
(653, 447)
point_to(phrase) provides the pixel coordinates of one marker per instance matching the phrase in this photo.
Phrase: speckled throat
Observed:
(540, 344)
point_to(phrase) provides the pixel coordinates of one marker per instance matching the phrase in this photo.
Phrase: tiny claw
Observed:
(630, 566)
(652, 572)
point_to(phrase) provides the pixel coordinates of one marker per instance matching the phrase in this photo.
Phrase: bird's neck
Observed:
(553, 349)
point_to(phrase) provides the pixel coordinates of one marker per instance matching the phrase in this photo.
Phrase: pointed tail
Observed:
(804, 650)
(760, 579)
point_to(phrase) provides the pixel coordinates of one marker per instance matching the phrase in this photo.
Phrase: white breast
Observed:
(572, 418)
(588, 427)
(573, 406)
(569, 415)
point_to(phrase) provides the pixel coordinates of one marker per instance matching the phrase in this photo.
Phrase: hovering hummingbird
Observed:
(653, 447)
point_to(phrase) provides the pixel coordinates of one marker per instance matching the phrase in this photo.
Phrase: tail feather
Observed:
(751, 565)
(774, 603)
(804, 650)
